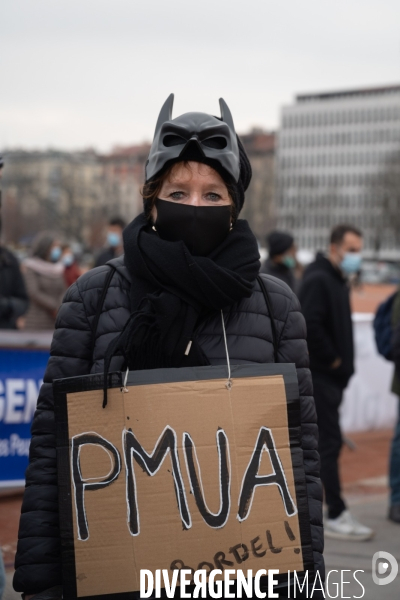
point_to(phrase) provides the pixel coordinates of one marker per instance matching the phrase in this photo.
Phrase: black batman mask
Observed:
(194, 133)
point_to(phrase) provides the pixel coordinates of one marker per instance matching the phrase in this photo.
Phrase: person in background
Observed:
(394, 466)
(281, 261)
(71, 267)
(13, 296)
(44, 277)
(114, 242)
(325, 300)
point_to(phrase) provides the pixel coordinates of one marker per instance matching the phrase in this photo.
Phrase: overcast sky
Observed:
(79, 73)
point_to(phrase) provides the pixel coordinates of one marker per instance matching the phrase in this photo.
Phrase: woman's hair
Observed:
(151, 189)
(42, 243)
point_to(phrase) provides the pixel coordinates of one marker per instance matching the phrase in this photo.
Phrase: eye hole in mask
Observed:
(218, 143)
(173, 140)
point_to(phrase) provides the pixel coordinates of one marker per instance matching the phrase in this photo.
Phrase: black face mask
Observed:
(201, 228)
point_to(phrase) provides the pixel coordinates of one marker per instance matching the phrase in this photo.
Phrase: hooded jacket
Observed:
(249, 337)
(46, 286)
(325, 301)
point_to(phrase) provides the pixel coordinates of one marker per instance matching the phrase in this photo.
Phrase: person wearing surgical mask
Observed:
(281, 261)
(44, 278)
(325, 301)
(114, 247)
(71, 267)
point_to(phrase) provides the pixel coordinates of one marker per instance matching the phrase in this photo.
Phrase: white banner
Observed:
(368, 402)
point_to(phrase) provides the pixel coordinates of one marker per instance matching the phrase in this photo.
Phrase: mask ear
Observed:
(226, 114)
(165, 113)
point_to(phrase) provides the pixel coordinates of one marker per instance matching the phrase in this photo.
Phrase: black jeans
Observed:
(328, 398)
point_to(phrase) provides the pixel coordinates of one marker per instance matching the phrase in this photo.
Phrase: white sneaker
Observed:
(346, 527)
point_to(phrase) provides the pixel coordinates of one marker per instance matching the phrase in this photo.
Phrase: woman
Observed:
(72, 271)
(187, 257)
(44, 281)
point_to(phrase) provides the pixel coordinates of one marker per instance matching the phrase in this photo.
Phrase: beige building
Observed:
(75, 193)
(259, 208)
(50, 190)
(123, 177)
(338, 161)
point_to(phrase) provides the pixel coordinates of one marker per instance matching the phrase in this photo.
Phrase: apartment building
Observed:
(338, 154)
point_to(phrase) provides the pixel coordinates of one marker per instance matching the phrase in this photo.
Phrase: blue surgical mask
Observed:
(351, 263)
(289, 261)
(113, 239)
(68, 259)
(55, 254)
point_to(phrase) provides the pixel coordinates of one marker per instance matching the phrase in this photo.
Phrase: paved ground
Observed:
(365, 483)
(364, 477)
(367, 297)
(9, 593)
(370, 510)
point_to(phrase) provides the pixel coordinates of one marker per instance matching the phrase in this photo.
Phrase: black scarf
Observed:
(171, 289)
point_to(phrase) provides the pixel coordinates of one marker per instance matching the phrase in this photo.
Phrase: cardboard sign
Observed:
(180, 472)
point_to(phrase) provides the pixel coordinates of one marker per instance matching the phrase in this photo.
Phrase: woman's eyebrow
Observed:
(176, 183)
(215, 184)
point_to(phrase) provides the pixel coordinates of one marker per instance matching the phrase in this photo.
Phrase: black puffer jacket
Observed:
(249, 335)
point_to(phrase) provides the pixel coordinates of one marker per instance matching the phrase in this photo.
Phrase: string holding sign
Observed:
(124, 389)
(229, 383)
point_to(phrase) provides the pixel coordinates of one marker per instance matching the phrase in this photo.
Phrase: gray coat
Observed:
(45, 287)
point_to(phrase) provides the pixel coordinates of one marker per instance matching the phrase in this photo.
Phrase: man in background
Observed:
(281, 261)
(115, 246)
(13, 295)
(325, 300)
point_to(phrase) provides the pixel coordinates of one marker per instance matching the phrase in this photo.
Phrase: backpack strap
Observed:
(271, 316)
(100, 306)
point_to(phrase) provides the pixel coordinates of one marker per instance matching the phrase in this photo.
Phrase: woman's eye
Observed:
(213, 197)
(176, 195)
